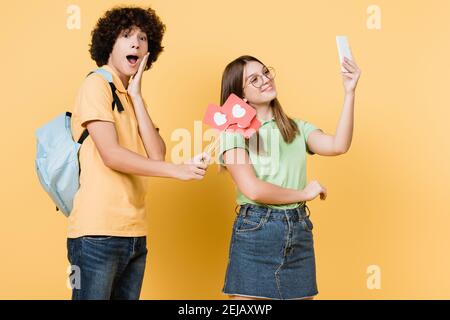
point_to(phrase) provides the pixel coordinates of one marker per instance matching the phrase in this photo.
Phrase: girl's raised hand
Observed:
(351, 75)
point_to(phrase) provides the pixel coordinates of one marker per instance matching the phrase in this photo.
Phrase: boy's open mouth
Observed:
(132, 59)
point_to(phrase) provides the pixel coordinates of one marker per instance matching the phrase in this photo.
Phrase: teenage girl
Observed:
(271, 251)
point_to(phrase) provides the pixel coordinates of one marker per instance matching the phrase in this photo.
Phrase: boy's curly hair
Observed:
(118, 19)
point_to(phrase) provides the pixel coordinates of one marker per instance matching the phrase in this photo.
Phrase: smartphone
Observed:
(343, 50)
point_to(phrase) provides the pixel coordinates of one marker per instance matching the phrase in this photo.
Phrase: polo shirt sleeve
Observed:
(94, 100)
(229, 141)
(306, 128)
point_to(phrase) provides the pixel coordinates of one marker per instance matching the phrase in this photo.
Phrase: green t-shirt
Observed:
(278, 163)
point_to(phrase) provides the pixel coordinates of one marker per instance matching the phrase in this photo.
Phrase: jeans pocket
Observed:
(249, 223)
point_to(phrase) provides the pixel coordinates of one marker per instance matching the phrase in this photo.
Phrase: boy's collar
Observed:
(117, 82)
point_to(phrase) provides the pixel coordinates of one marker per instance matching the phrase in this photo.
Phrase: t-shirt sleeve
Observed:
(229, 141)
(94, 100)
(306, 128)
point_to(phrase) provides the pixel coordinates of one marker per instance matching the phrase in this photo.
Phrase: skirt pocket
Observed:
(250, 223)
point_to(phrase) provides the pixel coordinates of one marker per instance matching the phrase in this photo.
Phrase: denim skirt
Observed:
(271, 254)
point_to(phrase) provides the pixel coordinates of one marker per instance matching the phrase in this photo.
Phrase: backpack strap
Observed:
(83, 137)
(116, 101)
(85, 133)
(108, 77)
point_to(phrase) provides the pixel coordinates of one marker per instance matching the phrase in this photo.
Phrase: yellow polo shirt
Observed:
(108, 202)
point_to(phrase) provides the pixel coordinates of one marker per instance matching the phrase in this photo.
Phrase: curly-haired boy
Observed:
(107, 226)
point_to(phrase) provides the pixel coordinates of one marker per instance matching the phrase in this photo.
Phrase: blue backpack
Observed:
(57, 163)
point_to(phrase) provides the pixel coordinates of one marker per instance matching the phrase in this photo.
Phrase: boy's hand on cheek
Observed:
(134, 87)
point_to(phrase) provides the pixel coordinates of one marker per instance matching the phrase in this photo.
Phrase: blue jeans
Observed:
(107, 268)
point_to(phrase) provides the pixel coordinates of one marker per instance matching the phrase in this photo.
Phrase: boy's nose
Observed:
(135, 43)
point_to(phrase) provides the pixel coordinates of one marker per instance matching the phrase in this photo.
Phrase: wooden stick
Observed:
(212, 146)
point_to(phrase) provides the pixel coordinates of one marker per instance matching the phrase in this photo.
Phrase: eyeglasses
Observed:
(257, 80)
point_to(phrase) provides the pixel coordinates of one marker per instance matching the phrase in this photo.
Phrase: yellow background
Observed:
(388, 197)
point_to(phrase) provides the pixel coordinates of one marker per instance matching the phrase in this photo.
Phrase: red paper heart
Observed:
(216, 118)
(238, 111)
(246, 132)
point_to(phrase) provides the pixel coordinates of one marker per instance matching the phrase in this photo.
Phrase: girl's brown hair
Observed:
(232, 82)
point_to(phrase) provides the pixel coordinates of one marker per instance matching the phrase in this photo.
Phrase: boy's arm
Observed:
(114, 156)
(153, 143)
